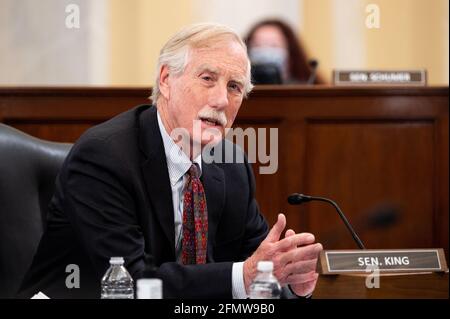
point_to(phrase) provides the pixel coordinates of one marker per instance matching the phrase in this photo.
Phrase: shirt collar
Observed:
(177, 161)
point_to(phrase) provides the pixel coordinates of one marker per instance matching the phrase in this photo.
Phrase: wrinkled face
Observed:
(209, 91)
(268, 36)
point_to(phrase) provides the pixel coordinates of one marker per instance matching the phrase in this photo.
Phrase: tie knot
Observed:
(193, 171)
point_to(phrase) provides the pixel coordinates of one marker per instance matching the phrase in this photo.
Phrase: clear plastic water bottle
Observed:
(117, 283)
(265, 285)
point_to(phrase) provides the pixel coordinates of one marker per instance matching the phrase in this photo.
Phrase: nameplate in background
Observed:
(384, 260)
(372, 77)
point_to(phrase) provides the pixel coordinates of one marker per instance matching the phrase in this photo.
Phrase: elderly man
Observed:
(129, 188)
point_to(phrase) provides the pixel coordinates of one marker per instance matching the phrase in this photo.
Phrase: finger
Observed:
(301, 267)
(306, 288)
(277, 229)
(293, 241)
(300, 253)
(289, 233)
(298, 279)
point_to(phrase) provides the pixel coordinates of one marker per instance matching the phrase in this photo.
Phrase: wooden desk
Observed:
(399, 286)
(366, 148)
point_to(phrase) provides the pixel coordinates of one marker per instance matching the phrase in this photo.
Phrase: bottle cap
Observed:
(265, 266)
(116, 261)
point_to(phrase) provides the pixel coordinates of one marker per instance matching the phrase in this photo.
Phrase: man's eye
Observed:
(207, 78)
(235, 87)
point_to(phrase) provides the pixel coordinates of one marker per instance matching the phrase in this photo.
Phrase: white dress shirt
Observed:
(178, 165)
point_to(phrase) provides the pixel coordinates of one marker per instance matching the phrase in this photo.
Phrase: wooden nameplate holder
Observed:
(382, 273)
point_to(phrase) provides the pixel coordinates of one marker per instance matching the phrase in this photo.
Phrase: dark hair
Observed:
(299, 68)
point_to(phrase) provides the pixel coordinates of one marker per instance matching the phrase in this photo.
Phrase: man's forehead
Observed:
(228, 45)
(217, 60)
(229, 52)
(219, 67)
(235, 71)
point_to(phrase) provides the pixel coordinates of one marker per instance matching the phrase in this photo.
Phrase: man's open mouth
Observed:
(210, 121)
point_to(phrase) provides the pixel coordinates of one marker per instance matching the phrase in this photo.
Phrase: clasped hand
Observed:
(294, 258)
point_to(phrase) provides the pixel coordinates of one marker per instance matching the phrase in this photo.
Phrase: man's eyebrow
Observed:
(239, 80)
(207, 68)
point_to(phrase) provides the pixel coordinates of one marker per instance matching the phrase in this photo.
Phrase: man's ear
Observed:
(164, 87)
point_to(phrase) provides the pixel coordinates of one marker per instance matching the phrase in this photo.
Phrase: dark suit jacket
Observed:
(113, 198)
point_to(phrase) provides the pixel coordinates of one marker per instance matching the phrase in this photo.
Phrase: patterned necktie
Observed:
(195, 220)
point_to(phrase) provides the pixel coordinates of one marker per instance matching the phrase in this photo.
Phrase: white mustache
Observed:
(214, 116)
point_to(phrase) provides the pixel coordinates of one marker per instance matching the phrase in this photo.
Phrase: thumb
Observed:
(277, 229)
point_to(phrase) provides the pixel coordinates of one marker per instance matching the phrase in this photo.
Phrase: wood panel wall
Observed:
(381, 153)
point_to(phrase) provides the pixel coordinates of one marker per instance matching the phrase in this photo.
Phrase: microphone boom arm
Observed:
(297, 199)
(344, 219)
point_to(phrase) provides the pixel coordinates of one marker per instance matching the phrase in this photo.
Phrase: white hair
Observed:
(174, 54)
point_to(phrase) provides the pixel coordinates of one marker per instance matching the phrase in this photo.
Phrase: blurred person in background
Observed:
(277, 55)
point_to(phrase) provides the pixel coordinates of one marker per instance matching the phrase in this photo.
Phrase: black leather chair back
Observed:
(28, 169)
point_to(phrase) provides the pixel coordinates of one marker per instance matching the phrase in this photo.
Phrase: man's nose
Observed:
(219, 97)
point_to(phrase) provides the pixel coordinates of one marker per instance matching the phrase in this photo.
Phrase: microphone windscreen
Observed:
(295, 199)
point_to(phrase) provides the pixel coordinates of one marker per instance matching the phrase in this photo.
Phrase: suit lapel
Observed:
(156, 175)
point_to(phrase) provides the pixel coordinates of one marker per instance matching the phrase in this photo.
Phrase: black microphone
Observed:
(297, 199)
(312, 77)
(266, 73)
